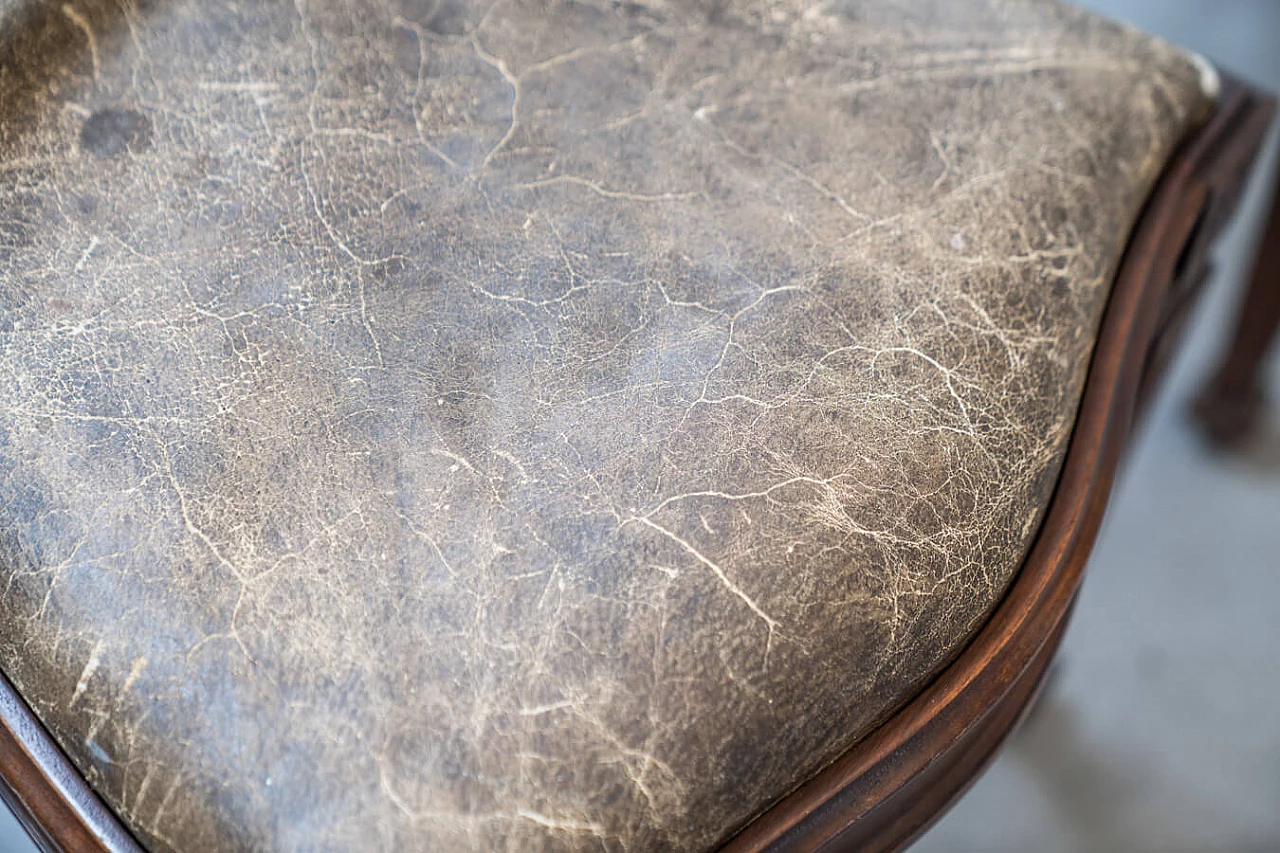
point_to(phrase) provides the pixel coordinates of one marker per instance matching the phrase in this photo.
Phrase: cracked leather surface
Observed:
(562, 426)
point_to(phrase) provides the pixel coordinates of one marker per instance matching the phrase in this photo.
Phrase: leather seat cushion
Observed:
(550, 426)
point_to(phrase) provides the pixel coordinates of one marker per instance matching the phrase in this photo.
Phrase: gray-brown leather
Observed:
(432, 426)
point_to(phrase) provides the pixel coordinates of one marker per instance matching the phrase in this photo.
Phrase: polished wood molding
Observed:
(896, 782)
(47, 794)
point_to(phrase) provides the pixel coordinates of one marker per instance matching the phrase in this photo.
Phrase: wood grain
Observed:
(46, 793)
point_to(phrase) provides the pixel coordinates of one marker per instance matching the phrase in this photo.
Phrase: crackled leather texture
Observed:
(564, 426)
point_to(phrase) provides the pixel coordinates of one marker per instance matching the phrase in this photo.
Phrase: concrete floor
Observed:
(1161, 733)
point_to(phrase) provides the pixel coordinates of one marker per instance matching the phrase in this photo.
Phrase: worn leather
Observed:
(427, 426)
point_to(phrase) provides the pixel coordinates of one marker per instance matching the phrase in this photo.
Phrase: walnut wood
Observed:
(1232, 402)
(891, 786)
(46, 793)
(894, 783)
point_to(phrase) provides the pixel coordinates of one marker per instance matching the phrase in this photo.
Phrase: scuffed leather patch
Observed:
(427, 426)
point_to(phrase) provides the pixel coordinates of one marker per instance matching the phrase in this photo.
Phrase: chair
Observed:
(572, 426)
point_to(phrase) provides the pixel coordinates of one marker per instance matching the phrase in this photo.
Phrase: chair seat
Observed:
(429, 426)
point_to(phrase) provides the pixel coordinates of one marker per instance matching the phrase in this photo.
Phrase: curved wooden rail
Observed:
(44, 790)
(894, 783)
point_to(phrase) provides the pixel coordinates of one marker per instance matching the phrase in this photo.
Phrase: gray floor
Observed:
(12, 837)
(1162, 731)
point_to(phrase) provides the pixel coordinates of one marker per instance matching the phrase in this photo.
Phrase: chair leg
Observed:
(1232, 404)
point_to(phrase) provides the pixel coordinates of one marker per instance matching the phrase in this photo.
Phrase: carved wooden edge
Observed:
(893, 784)
(48, 795)
(897, 781)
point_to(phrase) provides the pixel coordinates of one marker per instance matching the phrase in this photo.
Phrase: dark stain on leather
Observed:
(112, 132)
(557, 427)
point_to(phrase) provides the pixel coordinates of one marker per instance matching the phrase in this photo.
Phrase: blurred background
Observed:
(1161, 730)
